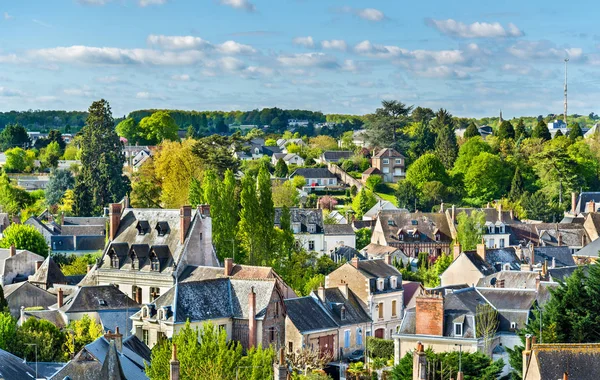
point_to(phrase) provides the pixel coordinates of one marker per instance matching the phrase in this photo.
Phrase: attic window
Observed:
(102, 302)
(343, 313)
(162, 228)
(143, 227)
(513, 325)
(114, 260)
(312, 228)
(135, 262)
(414, 222)
(437, 237)
(458, 329)
(391, 222)
(380, 284)
(393, 282)
(296, 228)
(154, 263)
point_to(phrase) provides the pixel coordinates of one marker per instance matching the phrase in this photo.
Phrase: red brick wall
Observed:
(430, 315)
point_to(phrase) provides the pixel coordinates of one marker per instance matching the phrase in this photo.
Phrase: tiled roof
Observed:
(580, 361)
(313, 173)
(427, 224)
(354, 313)
(49, 274)
(586, 197)
(379, 206)
(52, 316)
(560, 256)
(377, 269)
(511, 279)
(590, 250)
(378, 249)
(411, 288)
(561, 274)
(338, 229)
(97, 298)
(572, 234)
(495, 260)
(372, 170)
(13, 368)
(388, 152)
(308, 315)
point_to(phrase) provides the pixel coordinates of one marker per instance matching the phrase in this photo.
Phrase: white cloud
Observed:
(475, 30)
(108, 79)
(94, 2)
(370, 14)
(149, 96)
(232, 64)
(177, 42)
(320, 60)
(83, 91)
(7, 16)
(441, 57)
(334, 45)
(381, 51)
(307, 42)
(543, 50)
(145, 3)
(442, 72)
(181, 77)
(10, 58)
(7, 92)
(239, 4)
(232, 47)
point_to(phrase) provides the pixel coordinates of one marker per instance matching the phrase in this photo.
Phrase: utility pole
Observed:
(566, 61)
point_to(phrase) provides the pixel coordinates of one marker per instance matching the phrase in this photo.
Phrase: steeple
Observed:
(501, 119)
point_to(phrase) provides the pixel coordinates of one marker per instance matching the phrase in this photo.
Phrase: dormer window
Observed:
(162, 228)
(380, 284)
(343, 313)
(143, 227)
(145, 312)
(415, 234)
(390, 222)
(114, 260)
(312, 228)
(458, 329)
(135, 262)
(437, 237)
(154, 262)
(161, 314)
(393, 282)
(296, 228)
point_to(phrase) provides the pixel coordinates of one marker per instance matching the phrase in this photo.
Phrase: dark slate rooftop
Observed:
(345, 253)
(586, 197)
(111, 368)
(396, 222)
(560, 256)
(308, 315)
(131, 364)
(52, 316)
(590, 250)
(561, 274)
(336, 155)
(495, 260)
(137, 346)
(377, 269)
(97, 298)
(572, 234)
(509, 299)
(13, 368)
(510, 279)
(335, 300)
(304, 216)
(338, 229)
(48, 274)
(313, 173)
(581, 361)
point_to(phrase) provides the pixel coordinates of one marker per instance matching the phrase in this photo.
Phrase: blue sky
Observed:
(337, 56)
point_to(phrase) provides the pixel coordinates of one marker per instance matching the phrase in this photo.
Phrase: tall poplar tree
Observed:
(445, 143)
(229, 215)
(266, 213)
(101, 180)
(248, 227)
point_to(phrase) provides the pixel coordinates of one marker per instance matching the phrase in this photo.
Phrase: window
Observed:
(144, 312)
(290, 346)
(492, 243)
(277, 309)
(143, 227)
(393, 282)
(380, 310)
(331, 181)
(343, 313)
(154, 263)
(145, 337)
(380, 284)
(437, 237)
(386, 161)
(386, 170)
(311, 245)
(136, 293)
(312, 228)
(359, 338)
(114, 260)
(513, 325)
(346, 338)
(397, 171)
(154, 293)
(162, 228)
(501, 243)
(398, 161)
(296, 228)
(393, 308)
(491, 229)
(272, 334)
(458, 329)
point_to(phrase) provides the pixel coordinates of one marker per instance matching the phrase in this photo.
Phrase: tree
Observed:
(214, 153)
(423, 140)
(323, 142)
(12, 136)
(298, 181)
(486, 178)
(158, 127)
(427, 168)
(24, 236)
(516, 186)
(363, 202)
(382, 127)
(374, 182)
(42, 334)
(558, 134)
(541, 131)
(363, 237)
(264, 193)
(520, 131)
(8, 330)
(101, 180)
(422, 115)
(467, 152)
(407, 195)
(270, 142)
(227, 221)
(13, 199)
(80, 333)
(50, 155)
(445, 142)
(281, 169)
(327, 202)
(471, 131)
(60, 181)
(191, 133)
(486, 323)
(307, 360)
(470, 229)
(432, 193)
(130, 130)
(575, 131)
(537, 206)
(505, 131)
(248, 228)
(19, 160)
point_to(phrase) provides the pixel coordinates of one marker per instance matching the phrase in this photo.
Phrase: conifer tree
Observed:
(266, 213)
(445, 143)
(281, 169)
(506, 131)
(516, 186)
(541, 131)
(558, 134)
(248, 227)
(575, 131)
(229, 214)
(520, 131)
(471, 131)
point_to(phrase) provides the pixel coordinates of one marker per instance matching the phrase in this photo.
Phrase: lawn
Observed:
(388, 192)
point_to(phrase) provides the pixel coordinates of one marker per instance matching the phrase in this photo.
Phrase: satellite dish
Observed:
(493, 281)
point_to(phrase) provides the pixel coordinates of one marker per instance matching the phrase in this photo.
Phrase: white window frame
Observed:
(386, 161)
(393, 282)
(380, 284)
(459, 325)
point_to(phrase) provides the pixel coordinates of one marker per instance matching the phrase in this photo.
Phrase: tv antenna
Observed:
(566, 62)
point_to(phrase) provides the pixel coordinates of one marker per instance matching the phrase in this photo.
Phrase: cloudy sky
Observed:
(337, 56)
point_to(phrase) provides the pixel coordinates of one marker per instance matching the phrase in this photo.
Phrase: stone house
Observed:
(378, 287)
(498, 224)
(251, 311)
(24, 294)
(560, 361)
(149, 248)
(17, 264)
(307, 226)
(391, 163)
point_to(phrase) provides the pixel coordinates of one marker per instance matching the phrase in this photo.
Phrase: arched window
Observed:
(144, 312)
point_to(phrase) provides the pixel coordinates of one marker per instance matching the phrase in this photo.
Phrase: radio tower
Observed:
(566, 61)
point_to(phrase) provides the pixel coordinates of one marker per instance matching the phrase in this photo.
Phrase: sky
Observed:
(473, 58)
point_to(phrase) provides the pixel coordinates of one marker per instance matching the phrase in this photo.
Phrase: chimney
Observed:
(481, 251)
(12, 250)
(62, 218)
(512, 214)
(573, 203)
(456, 250)
(125, 202)
(453, 214)
(566, 376)
(89, 267)
(59, 298)
(354, 262)
(526, 355)
(344, 289)
(114, 216)
(204, 210)
(228, 266)
(252, 318)
(442, 207)
(559, 238)
(583, 240)
(419, 363)
(117, 337)
(500, 212)
(185, 219)
(174, 363)
(388, 259)
(553, 262)
(38, 264)
(430, 314)
(591, 206)
(321, 293)
(531, 258)
(459, 376)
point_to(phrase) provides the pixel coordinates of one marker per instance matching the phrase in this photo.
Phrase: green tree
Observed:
(374, 182)
(248, 228)
(363, 202)
(101, 180)
(48, 339)
(445, 143)
(558, 134)
(214, 153)
(286, 238)
(130, 130)
(422, 115)
(80, 333)
(575, 131)
(266, 214)
(468, 151)
(505, 131)
(520, 131)
(19, 160)
(13, 199)
(270, 142)
(229, 213)
(471, 131)
(486, 178)
(60, 181)
(383, 126)
(158, 127)
(407, 195)
(538, 207)
(191, 133)
(281, 169)
(50, 155)
(285, 194)
(516, 186)
(8, 330)
(423, 140)
(24, 236)
(427, 168)
(363, 237)
(541, 131)
(12, 136)
(470, 229)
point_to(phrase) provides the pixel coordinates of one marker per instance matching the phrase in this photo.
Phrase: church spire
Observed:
(501, 119)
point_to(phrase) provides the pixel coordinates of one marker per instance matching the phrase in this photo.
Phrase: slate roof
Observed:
(334, 300)
(34, 296)
(338, 229)
(52, 316)
(581, 361)
(336, 155)
(40, 226)
(572, 234)
(590, 250)
(13, 368)
(584, 198)
(313, 173)
(560, 256)
(379, 250)
(133, 343)
(346, 253)
(48, 274)
(111, 368)
(377, 268)
(358, 224)
(388, 152)
(427, 224)
(98, 298)
(561, 274)
(511, 279)
(495, 260)
(379, 206)
(304, 216)
(5, 260)
(307, 315)
(411, 288)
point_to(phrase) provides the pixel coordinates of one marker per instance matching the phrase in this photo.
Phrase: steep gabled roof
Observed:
(97, 298)
(376, 269)
(393, 221)
(388, 152)
(13, 368)
(580, 361)
(48, 274)
(335, 300)
(308, 315)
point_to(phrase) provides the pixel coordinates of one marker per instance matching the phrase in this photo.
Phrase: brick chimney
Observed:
(419, 363)
(59, 298)
(500, 212)
(591, 206)
(559, 239)
(174, 364)
(321, 293)
(252, 319)
(185, 219)
(388, 259)
(526, 355)
(481, 251)
(344, 289)
(456, 250)
(204, 210)
(114, 217)
(117, 337)
(354, 262)
(38, 264)
(12, 250)
(228, 266)
(430, 315)
(573, 202)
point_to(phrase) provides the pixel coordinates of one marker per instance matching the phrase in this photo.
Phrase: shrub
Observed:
(380, 348)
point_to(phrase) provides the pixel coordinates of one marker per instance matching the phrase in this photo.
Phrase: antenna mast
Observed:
(566, 61)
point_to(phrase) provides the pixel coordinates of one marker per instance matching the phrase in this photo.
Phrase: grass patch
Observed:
(388, 197)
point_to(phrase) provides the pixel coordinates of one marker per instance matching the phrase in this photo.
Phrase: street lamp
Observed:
(36, 361)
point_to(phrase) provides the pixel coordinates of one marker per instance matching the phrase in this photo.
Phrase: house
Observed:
(412, 290)
(381, 205)
(338, 235)
(288, 158)
(565, 361)
(376, 251)
(307, 226)
(47, 230)
(149, 248)
(334, 156)
(369, 172)
(573, 235)
(378, 286)
(283, 143)
(330, 320)
(15, 368)
(413, 232)
(359, 138)
(558, 125)
(251, 311)
(343, 254)
(338, 217)
(592, 132)
(24, 294)
(108, 357)
(316, 178)
(471, 266)
(68, 235)
(553, 257)
(445, 321)
(297, 123)
(391, 163)
(17, 264)
(498, 223)
(47, 274)
(242, 156)
(587, 201)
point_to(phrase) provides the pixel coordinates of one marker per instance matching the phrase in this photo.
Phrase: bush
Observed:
(380, 348)
(24, 236)
(375, 183)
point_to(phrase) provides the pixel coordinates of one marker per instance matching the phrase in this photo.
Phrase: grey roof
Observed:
(52, 316)
(26, 295)
(572, 234)
(379, 206)
(46, 369)
(136, 345)
(377, 268)
(77, 243)
(84, 230)
(510, 279)
(338, 229)
(40, 226)
(111, 319)
(336, 155)
(586, 197)
(388, 152)
(308, 315)
(111, 368)
(98, 298)
(304, 216)
(561, 256)
(580, 361)
(495, 260)
(396, 222)
(346, 253)
(313, 173)
(590, 250)
(561, 274)
(335, 300)
(48, 274)
(509, 299)
(13, 368)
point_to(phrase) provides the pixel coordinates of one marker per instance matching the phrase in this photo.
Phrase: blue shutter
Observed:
(347, 339)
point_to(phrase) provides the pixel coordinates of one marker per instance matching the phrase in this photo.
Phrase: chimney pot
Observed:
(12, 250)
(481, 251)
(321, 293)
(204, 210)
(354, 262)
(228, 266)
(388, 259)
(574, 203)
(38, 264)
(252, 318)
(59, 298)
(453, 214)
(456, 249)
(185, 219)
(114, 214)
